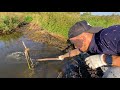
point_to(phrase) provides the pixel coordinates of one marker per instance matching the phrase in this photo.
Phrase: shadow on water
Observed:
(13, 63)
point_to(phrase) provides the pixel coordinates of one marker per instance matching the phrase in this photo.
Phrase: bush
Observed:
(8, 24)
(28, 19)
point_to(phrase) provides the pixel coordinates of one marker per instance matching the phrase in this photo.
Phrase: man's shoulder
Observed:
(113, 26)
(111, 29)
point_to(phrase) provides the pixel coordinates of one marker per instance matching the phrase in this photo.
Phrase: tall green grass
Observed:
(60, 22)
(104, 21)
(57, 22)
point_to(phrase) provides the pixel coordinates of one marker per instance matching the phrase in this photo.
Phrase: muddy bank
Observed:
(37, 34)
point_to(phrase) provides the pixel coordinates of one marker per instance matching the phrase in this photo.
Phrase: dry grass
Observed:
(40, 35)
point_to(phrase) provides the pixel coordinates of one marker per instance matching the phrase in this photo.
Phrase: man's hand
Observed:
(61, 57)
(95, 61)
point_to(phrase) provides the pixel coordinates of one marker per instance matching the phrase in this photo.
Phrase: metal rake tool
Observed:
(30, 63)
(27, 56)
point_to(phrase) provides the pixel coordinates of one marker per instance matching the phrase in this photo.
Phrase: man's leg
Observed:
(111, 72)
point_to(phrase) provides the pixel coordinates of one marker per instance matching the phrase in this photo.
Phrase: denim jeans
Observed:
(111, 72)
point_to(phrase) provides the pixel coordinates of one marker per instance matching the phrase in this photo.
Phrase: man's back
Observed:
(106, 41)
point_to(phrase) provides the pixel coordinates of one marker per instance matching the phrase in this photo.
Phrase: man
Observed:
(103, 44)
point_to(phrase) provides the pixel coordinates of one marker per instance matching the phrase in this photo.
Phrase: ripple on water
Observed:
(16, 57)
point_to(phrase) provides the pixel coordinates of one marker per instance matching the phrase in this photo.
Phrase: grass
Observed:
(104, 21)
(60, 22)
(53, 22)
(9, 22)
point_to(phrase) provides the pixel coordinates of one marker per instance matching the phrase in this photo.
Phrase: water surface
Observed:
(13, 63)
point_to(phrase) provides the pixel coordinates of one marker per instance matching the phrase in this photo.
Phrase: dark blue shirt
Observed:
(106, 41)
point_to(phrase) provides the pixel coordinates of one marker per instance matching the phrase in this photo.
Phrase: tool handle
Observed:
(46, 59)
(24, 44)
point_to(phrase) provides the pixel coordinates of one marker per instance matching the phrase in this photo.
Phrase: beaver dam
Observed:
(42, 45)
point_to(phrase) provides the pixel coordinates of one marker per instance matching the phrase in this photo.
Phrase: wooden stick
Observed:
(24, 45)
(47, 59)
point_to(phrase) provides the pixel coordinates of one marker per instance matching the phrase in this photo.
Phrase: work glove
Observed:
(95, 61)
(61, 57)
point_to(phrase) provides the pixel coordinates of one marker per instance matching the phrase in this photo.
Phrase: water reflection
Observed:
(10, 37)
(14, 65)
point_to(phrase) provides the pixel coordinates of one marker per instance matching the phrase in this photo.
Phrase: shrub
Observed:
(8, 24)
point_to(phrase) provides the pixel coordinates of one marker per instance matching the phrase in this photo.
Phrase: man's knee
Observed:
(112, 72)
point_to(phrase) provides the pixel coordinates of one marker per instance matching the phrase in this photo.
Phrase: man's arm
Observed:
(99, 60)
(70, 54)
(115, 60)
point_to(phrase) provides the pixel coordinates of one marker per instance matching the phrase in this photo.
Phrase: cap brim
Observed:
(94, 29)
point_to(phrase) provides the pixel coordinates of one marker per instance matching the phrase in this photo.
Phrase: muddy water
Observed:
(13, 63)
